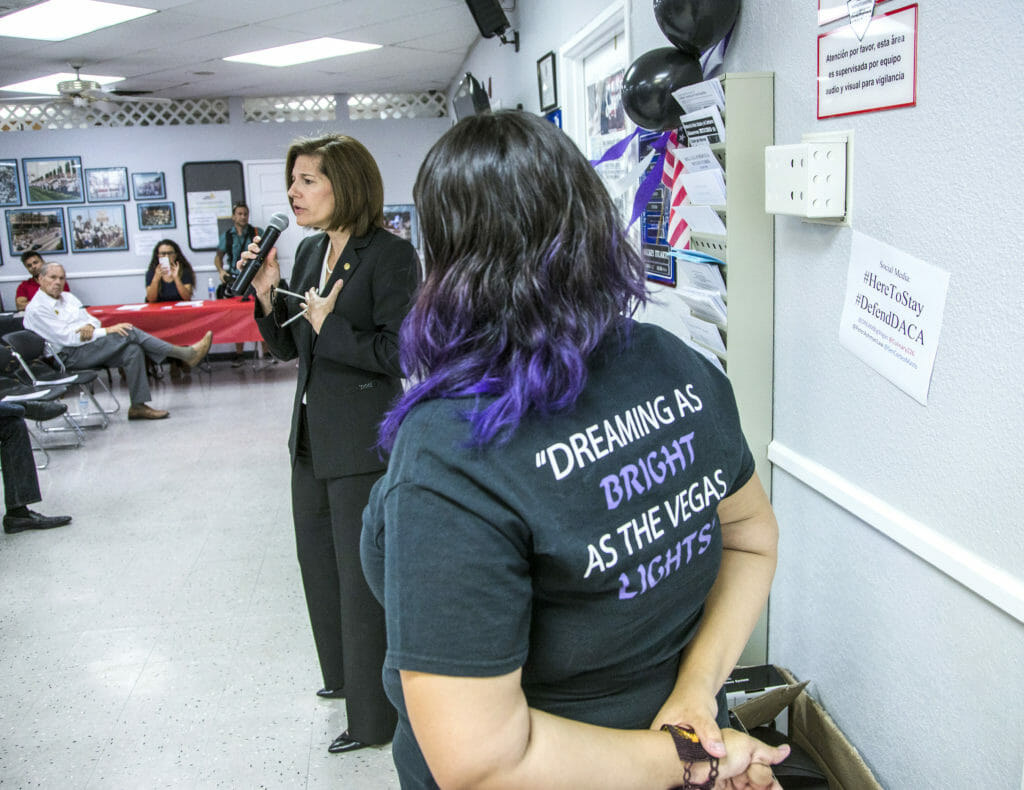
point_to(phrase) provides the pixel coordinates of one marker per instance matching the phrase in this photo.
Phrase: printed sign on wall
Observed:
(893, 312)
(876, 72)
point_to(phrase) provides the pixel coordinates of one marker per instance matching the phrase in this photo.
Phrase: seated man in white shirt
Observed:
(82, 343)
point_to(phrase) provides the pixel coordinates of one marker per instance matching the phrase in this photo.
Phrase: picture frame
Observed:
(149, 186)
(53, 179)
(98, 228)
(400, 219)
(547, 85)
(555, 117)
(10, 184)
(155, 216)
(106, 184)
(35, 230)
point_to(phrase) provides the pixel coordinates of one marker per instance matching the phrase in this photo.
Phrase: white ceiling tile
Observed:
(424, 42)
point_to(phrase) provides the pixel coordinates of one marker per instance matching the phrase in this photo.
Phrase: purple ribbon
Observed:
(616, 150)
(711, 64)
(651, 178)
(712, 61)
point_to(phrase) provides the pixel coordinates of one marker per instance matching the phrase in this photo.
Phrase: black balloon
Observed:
(648, 84)
(694, 26)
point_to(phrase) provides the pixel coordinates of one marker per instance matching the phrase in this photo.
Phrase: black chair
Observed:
(12, 389)
(28, 347)
(11, 322)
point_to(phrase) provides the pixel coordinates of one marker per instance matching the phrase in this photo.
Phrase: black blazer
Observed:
(350, 372)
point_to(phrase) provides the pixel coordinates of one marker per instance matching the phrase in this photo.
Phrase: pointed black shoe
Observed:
(331, 693)
(345, 743)
(43, 410)
(33, 520)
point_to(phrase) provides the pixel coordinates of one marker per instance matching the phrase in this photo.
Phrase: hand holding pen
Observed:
(275, 290)
(315, 307)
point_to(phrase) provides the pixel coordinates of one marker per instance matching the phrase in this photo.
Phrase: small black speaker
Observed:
(470, 98)
(489, 17)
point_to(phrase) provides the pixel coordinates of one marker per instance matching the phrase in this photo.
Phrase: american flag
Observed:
(678, 230)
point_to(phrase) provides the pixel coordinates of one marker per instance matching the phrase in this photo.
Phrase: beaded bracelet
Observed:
(689, 749)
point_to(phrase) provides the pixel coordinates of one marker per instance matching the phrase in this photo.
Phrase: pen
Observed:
(289, 293)
(294, 318)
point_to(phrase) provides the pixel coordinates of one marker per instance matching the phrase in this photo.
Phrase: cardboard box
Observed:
(812, 729)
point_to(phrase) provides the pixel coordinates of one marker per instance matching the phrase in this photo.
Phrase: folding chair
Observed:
(22, 392)
(38, 447)
(28, 347)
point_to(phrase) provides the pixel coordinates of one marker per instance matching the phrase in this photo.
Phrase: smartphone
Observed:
(165, 264)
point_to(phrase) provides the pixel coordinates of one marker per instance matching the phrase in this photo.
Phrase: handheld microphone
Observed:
(275, 225)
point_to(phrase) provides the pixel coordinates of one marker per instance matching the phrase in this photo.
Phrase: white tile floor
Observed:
(161, 640)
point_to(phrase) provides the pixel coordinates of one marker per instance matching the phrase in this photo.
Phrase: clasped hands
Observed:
(173, 272)
(86, 331)
(744, 762)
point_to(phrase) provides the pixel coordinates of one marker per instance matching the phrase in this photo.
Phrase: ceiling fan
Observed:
(86, 93)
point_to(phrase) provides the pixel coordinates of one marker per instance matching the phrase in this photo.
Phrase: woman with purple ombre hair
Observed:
(570, 541)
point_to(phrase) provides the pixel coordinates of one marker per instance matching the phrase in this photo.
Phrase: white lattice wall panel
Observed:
(386, 106)
(278, 109)
(58, 115)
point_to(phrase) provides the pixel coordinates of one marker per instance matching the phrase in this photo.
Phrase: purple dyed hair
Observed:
(527, 269)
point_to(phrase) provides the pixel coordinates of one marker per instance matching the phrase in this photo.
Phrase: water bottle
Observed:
(83, 402)
(210, 291)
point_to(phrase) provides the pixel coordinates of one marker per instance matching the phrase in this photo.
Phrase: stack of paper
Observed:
(701, 271)
(697, 158)
(700, 95)
(702, 219)
(712, 358)
(707, 305)
(706, 334)
(34, 395)
(706, 188)
(703, 105)
(703, 126)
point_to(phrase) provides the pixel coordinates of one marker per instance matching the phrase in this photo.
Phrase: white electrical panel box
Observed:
(806, 180)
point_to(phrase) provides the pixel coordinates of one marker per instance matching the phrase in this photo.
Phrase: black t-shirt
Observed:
(582, 550)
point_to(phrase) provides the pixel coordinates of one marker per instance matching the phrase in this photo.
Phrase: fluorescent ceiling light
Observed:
(48, 85)
(57, 20)
(303, 52)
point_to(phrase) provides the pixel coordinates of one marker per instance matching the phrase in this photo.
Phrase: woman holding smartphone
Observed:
(350, 289)
(170, 277)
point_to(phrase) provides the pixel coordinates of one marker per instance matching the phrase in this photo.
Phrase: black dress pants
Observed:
(347, 621)
(21, 484)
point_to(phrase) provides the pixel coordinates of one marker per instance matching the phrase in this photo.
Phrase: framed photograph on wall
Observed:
(153, 216)
(400, 219)
(53, 179)
(104, 184)
(98, 228)
(148, 186)
(547, 87)
(10, 189)
(35, 229)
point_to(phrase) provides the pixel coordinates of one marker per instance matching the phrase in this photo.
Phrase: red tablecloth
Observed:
(182, 323)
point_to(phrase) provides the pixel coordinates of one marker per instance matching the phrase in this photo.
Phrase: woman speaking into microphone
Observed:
(350, 289)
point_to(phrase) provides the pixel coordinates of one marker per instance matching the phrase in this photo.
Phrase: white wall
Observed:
(898, 650)
(398, 146)
(920, 671)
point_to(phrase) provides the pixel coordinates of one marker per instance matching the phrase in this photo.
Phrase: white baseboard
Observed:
(978, 575)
